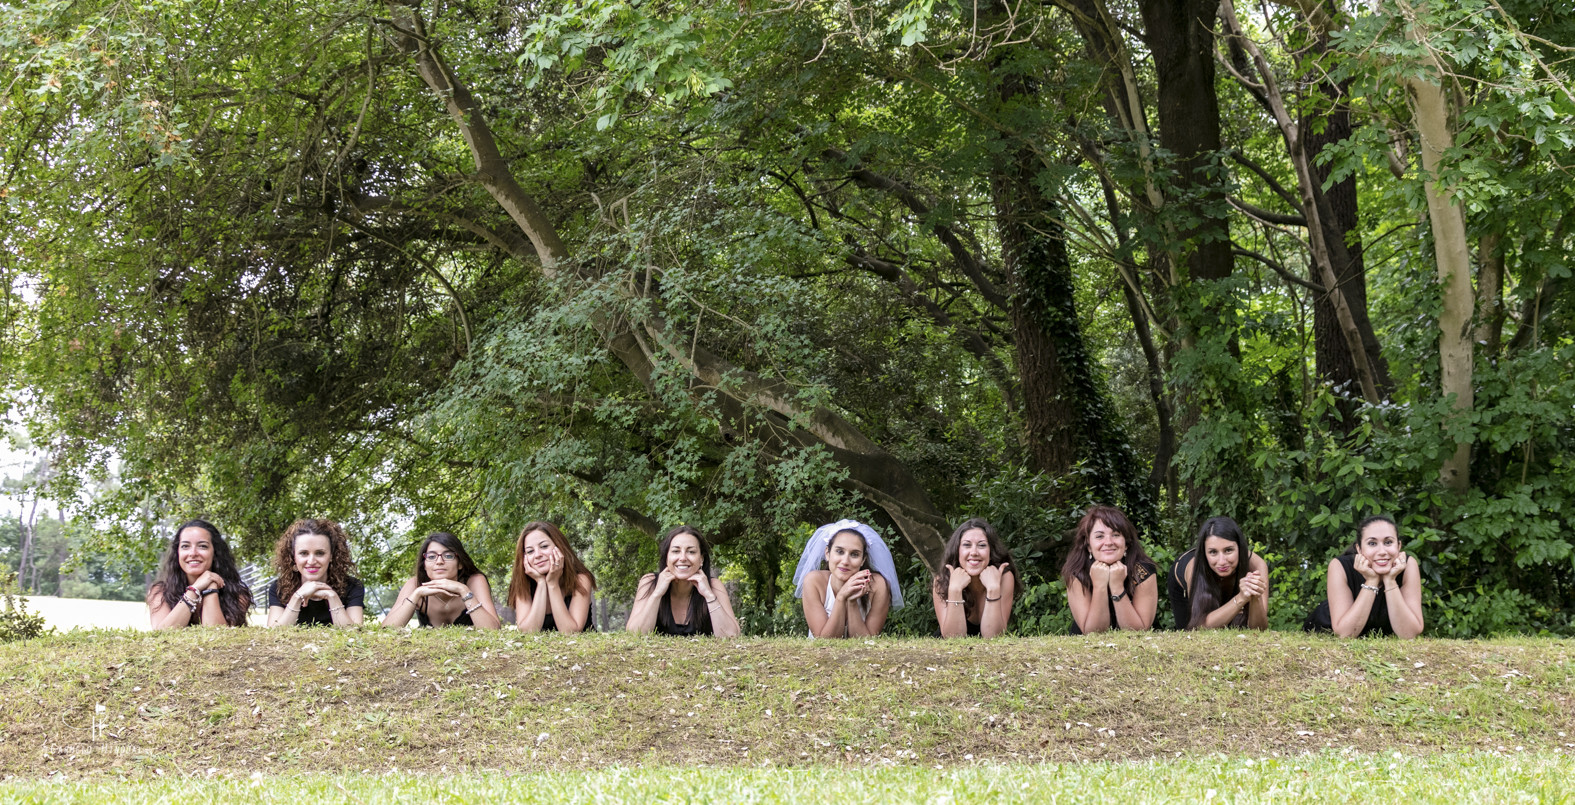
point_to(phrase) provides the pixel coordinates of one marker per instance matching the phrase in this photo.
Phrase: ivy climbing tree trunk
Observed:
(1065, 411)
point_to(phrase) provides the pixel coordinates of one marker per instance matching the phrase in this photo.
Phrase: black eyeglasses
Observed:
(446, 556)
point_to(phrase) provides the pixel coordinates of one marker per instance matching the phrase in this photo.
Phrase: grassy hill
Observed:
(142, 705)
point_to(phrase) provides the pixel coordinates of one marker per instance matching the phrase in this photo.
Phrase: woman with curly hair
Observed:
(1106, 557)
(683, 585)
(197, 582)
(974, 591)
(551, 588)
(314, 585)
(447, 590)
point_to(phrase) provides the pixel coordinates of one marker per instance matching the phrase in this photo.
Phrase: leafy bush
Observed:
(16, 623)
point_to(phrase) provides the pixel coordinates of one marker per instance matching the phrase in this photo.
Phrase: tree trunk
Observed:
(1333, 357)
(1431, 110)
(1490, 289)
(1065, 411)
(1180, 34)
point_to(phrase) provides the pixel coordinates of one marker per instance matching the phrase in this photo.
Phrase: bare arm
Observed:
(1135, 613)
(997, 614)
(1258, 607)
(861, 625)
(404, 607)
(1405, 603)
(1347, 615)
(642, 616)
(483, 613)
(723, 622)
(570, 617)
(949, 609)
(1088, 605)
(212, 611)
(820, 623)
(164, 617)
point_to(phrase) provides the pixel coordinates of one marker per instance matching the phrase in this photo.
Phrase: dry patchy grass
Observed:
(142, 705)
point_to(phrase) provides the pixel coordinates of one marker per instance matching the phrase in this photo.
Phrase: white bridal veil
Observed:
(879, 556)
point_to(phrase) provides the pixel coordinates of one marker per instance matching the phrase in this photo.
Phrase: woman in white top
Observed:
(847, 581)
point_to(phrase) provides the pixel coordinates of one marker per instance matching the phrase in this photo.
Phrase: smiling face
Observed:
(539, 551)
(194, 549)
(1106, 544)
(1380, 544)
(313, 552)
(440, 562)
(683, 556)
(1222, 555)
(973, 551)
(845, 555)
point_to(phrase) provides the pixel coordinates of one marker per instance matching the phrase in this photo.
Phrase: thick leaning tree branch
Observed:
(884, 479)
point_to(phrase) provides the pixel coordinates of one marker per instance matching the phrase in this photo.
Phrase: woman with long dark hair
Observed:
(314, 585)
(551, 589)
(447, 589)
(974, 591)
(1110, 582)
(1374, 587)
(683, 585)
(847, 580)
(1220, 582)
(197, 583)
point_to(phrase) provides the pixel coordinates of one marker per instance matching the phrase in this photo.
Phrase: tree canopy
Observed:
(756, 266)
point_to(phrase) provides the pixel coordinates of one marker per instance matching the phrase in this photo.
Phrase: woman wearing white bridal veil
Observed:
(847, 580)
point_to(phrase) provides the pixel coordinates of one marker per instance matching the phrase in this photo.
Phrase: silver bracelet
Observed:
(1372, 587)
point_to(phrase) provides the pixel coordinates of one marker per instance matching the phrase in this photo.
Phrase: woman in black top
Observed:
(447, 589)
(1228, 586)
(551, 589)
(314, 585)
(684, 585)
(976, 587)
(198, 584)
(1106, 556)
(1373, 588)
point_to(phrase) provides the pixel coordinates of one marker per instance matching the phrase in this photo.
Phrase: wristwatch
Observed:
(468, 596)
(1115, 598)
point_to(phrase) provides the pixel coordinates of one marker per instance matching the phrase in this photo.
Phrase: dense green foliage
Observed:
(762, 265)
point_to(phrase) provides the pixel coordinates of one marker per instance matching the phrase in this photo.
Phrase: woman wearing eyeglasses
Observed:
(447, 589)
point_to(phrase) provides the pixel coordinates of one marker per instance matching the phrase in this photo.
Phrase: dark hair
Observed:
(521, 585)
(1079, 560)
(999, 554)
(1207, 588)
(1362, 526)
(864, 545)
(699, 614)
(467, 568)
(235, 598)
(339, 562)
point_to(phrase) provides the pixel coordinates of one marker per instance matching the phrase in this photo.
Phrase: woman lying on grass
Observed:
(684, 585)
(1370, 590)
(1220, 582)
(974, 592)
(1110, 582)
(197, 583)
(447, 589)
(551, 588)
(314, 585)
(847, 581)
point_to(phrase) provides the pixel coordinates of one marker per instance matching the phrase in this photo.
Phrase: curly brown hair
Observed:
(339, 562)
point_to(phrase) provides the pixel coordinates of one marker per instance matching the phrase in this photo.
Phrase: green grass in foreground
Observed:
(1331, 777)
